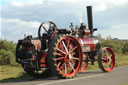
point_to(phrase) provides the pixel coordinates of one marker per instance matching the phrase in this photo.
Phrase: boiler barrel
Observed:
(89, 44)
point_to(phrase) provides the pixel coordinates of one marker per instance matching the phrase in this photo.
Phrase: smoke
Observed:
(81, 20)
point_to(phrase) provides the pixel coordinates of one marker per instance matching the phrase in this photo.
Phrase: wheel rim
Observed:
(84, 63)
(108, 59)
(68, 56)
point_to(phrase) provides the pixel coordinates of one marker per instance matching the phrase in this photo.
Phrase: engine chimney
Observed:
(90, 19)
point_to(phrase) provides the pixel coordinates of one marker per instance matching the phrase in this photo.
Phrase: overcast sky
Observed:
(19, 17)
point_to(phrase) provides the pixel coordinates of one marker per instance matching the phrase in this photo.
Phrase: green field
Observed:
(12, 73)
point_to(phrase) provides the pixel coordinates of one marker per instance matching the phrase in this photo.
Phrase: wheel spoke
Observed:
(70, 45)
(58, 54)
(61, 45)
(110, 56)
(72, 62)
(68, 42)
(62, 65)
(110, 60)
(60, 50)
(73, 54)
(106, 52)
(106, 65)
(58, 64)
(73, 49)
(60, 58)
(75, 58)
(50, 26)
(103, 58)
(66, 56)
(44, 28)
(65, 46)
(71, 66)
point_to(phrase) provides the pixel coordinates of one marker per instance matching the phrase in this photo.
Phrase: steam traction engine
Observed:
(61, 52)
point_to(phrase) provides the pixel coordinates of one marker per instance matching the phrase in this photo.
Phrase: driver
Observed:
(82, 28)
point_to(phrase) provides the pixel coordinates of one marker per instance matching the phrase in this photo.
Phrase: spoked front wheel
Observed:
(106, 59)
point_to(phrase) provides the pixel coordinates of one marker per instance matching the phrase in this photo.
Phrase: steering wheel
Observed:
(47, 28)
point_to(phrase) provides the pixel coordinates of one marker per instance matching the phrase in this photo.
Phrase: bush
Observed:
(116, 45)
(7, 45)
(125, 48)
(7, 57)
(7, 52)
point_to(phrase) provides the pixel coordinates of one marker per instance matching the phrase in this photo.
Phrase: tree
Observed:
(125, 48)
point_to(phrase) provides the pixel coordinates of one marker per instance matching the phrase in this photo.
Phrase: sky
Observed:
(19, 17)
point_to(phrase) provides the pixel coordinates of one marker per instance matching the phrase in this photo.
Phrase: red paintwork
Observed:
(37, 44)
(87, 42)
(87, 31)
(42, 61)
(54, 33)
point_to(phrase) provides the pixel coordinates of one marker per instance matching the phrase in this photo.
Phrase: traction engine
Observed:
(62, 52)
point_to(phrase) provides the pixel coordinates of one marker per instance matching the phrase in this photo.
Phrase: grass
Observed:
(13, 73)
(7, 71)
(121, 60)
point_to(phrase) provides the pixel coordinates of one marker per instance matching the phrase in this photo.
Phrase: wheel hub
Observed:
(69, 56)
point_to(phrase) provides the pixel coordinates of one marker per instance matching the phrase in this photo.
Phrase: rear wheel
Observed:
(64, 56)
(106, 59)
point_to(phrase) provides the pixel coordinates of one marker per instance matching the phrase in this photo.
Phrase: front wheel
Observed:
(106, 59)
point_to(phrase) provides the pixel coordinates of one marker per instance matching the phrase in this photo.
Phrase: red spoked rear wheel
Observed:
(67, 57)
(84, 63)
(106, 59)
